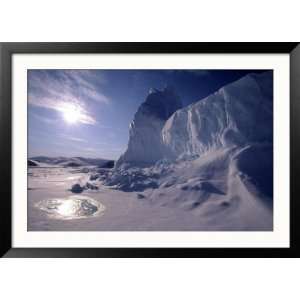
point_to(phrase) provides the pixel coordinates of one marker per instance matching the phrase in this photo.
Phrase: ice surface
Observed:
(145, 144)
(239, 114)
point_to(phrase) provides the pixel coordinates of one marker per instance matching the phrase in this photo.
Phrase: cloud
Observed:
(58, 89)
(86, 82)
(43, 118)
(91, 150)
(74, 139)
(63, 105)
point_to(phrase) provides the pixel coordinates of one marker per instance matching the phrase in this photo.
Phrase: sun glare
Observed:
(71, 114)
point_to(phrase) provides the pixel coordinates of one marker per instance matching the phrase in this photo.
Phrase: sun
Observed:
(71, 114)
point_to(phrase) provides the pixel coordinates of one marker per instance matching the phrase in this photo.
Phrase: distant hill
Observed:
(31, 163)
(71, 161)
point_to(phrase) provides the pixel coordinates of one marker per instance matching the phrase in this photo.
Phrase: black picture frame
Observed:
(6, 52)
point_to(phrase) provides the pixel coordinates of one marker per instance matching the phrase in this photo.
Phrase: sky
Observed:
(87, 112)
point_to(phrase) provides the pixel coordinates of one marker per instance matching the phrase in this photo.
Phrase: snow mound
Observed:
(77, 188)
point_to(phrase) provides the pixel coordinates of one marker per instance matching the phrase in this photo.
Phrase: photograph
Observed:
(150, 150)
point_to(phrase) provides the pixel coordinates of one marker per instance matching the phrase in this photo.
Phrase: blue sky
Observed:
(87, 112)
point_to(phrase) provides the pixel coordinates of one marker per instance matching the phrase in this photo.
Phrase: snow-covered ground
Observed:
(207, 166)
(120, 211)
(208, 193)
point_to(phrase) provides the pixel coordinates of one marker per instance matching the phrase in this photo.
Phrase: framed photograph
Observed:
(149, 149)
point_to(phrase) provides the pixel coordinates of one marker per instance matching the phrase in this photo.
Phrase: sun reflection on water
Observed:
(74, 207)
(67, 208)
